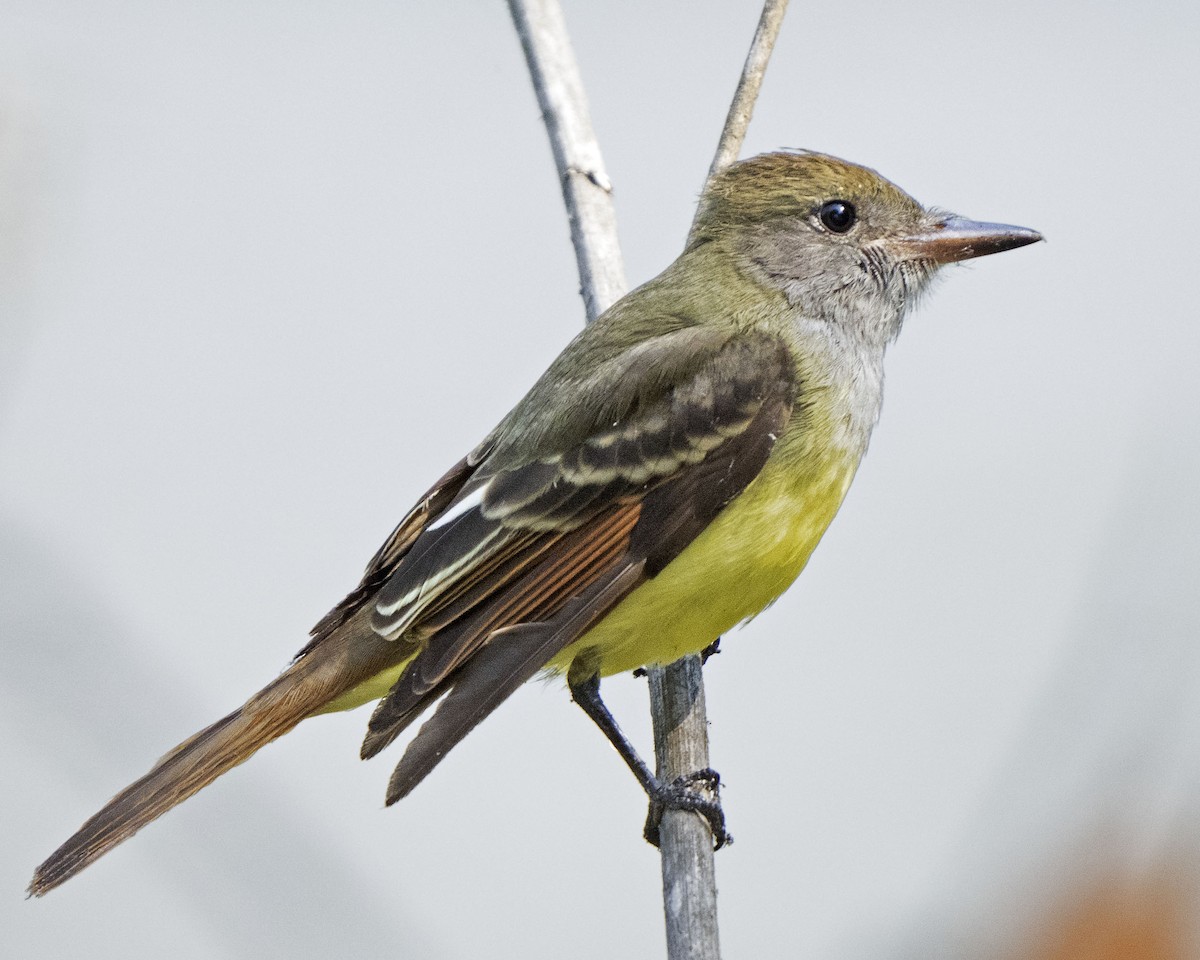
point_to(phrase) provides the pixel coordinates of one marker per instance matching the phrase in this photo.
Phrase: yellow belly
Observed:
(745, 559)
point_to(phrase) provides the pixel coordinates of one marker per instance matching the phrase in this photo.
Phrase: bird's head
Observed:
(842, 243)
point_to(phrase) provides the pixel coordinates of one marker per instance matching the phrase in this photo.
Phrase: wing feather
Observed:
(568, 567)
(494, 674)
(563, 533)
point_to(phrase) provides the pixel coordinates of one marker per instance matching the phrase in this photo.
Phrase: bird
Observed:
(663, 481)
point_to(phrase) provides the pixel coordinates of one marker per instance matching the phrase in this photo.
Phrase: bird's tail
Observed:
(297, 693)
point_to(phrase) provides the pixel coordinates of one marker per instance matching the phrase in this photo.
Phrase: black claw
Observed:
(711, 650)
(707, 776)
(680, 795)
(653, 820)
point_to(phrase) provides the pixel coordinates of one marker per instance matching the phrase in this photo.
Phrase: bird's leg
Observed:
(676, 795)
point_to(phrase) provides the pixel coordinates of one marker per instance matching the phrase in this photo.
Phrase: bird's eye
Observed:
(837, 215)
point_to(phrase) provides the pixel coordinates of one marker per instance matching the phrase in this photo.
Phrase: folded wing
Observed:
(535, 548)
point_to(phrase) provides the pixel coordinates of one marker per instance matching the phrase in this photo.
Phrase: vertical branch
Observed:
(742, 107)
(676, 692)
(688, 872)
(587, 191)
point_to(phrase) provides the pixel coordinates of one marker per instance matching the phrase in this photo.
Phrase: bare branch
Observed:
(742, 108)
(586, 189)
(688, 872)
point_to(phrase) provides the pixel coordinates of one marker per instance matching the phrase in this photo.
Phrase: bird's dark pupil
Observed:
(837, 215)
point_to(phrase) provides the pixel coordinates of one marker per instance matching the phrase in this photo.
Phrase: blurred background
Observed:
(268, 269)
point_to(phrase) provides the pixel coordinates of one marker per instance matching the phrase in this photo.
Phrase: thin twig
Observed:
(586, 189)
(742, 108)
(676, 692)
(688, 872)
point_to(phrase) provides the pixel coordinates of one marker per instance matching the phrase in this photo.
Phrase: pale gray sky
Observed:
(268, 269)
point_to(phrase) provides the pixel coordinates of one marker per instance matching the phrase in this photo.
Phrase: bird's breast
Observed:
(741, 562)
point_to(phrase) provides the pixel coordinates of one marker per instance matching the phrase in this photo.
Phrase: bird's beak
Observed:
(950, 239)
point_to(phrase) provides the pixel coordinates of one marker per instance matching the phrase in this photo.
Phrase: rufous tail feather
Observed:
(198, 761)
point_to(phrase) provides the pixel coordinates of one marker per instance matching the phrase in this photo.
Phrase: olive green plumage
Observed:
(665, 479)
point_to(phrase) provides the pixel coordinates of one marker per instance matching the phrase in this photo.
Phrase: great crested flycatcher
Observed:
(664, 480)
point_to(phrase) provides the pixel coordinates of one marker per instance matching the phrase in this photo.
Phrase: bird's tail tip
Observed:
(188, 768)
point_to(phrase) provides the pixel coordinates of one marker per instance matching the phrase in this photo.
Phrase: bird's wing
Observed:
(536, 546)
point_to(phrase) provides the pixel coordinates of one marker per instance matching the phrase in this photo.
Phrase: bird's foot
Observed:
(698, 792)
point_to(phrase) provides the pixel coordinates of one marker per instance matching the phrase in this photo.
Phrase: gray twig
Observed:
(688, 873)
(744, 98)
(587, 191)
